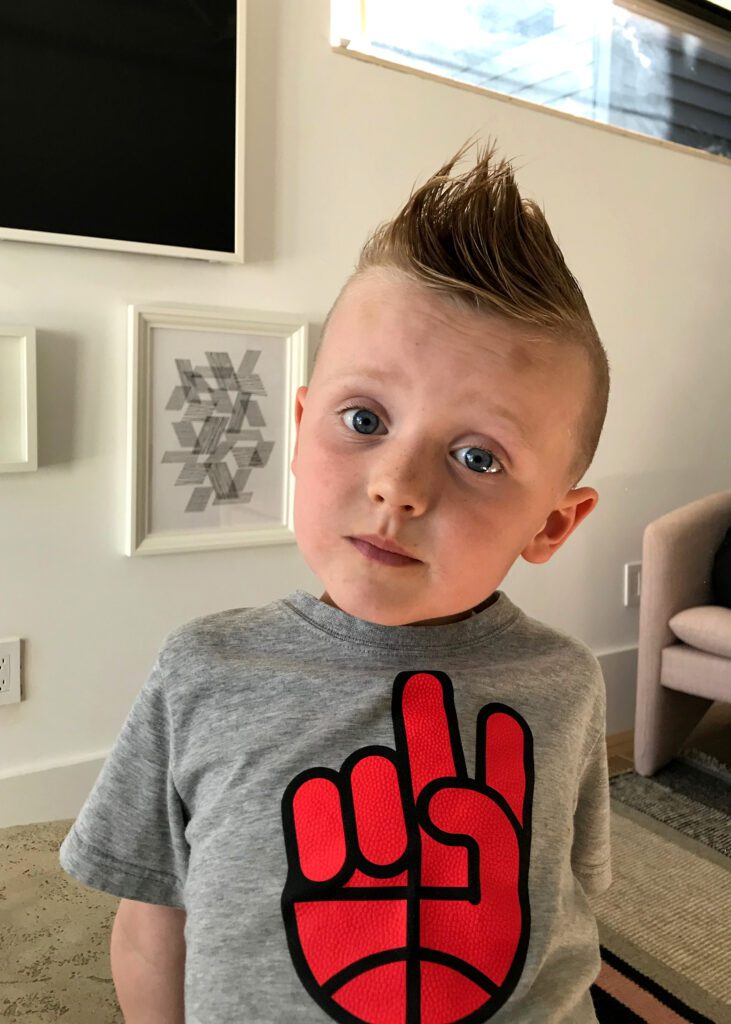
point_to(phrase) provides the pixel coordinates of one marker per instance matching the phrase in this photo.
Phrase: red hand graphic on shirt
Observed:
(406, 900)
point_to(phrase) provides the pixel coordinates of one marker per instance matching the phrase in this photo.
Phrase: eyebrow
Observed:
(499, 412)
(376, 374)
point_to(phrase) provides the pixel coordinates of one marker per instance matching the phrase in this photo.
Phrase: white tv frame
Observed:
(154, 249)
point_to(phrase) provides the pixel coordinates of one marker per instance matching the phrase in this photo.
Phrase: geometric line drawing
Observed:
(218, 434)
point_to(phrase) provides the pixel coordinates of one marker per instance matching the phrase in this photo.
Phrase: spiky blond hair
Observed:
(475, 240)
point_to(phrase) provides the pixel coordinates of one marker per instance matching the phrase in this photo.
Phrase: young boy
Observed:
(389, 804)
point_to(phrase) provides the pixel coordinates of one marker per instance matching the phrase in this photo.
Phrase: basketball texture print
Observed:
(406, 898)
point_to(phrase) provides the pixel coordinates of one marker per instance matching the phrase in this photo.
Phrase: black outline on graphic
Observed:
(298, 888)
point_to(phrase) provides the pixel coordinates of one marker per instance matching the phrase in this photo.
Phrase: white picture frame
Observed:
(236, 255)
(18, 399)
(217, 385)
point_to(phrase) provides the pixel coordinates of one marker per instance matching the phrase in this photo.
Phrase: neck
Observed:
(326, 599)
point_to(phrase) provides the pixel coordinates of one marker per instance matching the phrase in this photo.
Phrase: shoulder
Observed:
(555, 648)
(204, 630)
(218, 641)
(202, 655)
(566, 666)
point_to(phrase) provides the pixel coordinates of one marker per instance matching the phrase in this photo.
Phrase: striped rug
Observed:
(664, 923)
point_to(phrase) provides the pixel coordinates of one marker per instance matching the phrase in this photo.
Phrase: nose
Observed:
(400, 482)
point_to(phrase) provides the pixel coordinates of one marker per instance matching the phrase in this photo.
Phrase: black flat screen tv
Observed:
(122, 125)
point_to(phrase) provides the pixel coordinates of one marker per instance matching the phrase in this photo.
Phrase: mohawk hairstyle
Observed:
(477, 242)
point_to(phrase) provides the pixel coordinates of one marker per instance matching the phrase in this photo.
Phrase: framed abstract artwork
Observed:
(18, 400)
(211, 427)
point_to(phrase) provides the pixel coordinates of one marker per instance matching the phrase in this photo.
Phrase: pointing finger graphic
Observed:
(406, 897)
(423, 730)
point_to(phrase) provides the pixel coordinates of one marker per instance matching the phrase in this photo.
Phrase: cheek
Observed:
(320, 483)
(332, 469)
(470, 528)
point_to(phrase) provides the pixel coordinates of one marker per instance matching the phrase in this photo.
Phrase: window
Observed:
(646, 66)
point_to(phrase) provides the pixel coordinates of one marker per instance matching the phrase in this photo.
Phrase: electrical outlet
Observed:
(10, 671)
(632, 584)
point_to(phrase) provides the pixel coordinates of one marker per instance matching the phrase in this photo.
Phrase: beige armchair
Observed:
(684, 654)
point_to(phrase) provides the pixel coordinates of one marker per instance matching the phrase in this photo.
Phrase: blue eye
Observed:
(363, 417)
(481, 460)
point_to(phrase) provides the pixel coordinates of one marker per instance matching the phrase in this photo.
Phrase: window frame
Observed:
(348, 20)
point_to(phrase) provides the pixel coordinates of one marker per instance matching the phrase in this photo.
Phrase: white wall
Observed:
(333, 147)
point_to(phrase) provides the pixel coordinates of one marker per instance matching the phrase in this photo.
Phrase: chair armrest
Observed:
(677, 558)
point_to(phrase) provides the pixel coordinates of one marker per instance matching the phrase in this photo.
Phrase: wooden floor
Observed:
(712, 735)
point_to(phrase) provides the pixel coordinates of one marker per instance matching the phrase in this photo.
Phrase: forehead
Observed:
(382, 316)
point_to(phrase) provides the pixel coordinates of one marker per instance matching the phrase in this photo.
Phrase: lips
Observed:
(384, 545)
(377, 554)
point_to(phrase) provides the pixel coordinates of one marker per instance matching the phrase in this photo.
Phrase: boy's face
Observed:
(435, 388)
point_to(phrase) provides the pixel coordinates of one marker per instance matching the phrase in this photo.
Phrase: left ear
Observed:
(560, 524)
(298, 408)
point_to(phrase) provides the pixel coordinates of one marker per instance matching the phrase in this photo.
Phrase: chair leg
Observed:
(663, 720)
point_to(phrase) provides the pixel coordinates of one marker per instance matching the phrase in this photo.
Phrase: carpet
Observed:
(664, 921)
(54, 939)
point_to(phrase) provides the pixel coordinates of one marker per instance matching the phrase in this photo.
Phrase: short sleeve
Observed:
(129, 837)
(590, 853)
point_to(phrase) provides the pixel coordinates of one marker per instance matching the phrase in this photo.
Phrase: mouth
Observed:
(375, 553)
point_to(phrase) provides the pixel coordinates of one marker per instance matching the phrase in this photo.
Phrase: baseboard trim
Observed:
(621, 744)
(49, 794)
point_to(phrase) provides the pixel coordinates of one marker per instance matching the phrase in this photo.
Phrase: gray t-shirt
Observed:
(364, 822)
